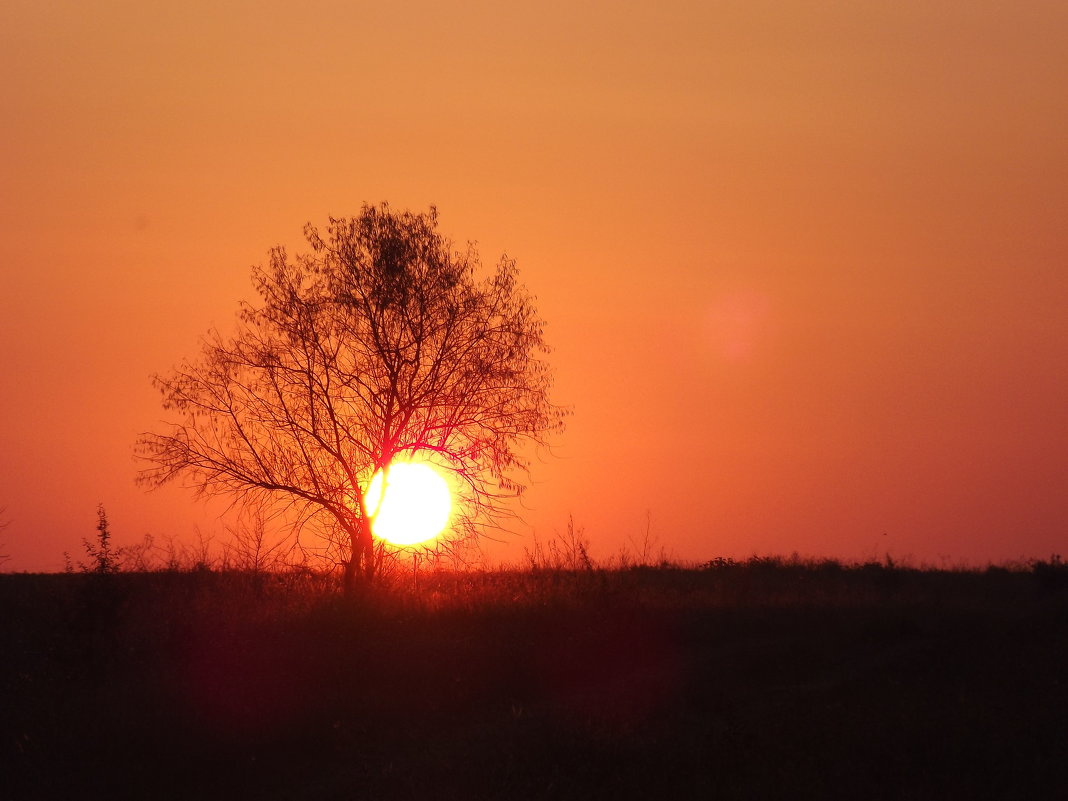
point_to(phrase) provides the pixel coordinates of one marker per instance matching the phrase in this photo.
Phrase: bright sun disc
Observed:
(416, 505)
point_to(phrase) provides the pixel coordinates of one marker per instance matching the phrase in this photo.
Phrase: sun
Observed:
(416, 505)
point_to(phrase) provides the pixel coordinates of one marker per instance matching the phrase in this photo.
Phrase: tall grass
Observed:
(766, 677)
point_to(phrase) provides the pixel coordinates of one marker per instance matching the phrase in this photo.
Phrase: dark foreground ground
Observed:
(760, 680)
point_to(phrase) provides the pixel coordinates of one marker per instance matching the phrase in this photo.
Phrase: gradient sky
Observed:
(803, 263)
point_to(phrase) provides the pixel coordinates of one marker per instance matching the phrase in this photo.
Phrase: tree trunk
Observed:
(350, 573)
(369, 557)
(361, 553)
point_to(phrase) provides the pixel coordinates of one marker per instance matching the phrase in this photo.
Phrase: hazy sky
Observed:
(803, 263)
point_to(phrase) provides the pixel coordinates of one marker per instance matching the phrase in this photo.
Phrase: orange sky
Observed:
(803, 263)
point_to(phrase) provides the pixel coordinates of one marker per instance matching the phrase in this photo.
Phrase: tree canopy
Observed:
(382, 343)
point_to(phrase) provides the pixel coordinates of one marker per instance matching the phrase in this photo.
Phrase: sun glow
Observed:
(416, 505)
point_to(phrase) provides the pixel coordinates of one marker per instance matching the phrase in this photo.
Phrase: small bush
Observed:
(102, 557)
(1051, 575)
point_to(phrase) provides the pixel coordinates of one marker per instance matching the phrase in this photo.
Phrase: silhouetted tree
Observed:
(381, 343)
(250, 547)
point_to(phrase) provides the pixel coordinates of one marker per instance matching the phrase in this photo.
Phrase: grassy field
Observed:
(766, 679)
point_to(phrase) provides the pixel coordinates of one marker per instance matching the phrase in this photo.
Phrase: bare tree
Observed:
(382, 343)
(252, 549)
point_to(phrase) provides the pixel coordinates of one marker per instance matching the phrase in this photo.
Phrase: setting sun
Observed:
(416, 505)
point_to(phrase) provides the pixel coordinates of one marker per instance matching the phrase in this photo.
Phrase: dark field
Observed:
(756, 680)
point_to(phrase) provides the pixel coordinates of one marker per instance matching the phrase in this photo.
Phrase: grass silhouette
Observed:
(767, 678)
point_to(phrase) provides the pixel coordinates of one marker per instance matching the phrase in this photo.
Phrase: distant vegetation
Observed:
(763, 678)
(3, 524)
(249, 548)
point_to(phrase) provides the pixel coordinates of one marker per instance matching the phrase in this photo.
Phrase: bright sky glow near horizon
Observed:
(804, 265)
